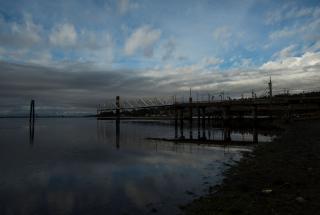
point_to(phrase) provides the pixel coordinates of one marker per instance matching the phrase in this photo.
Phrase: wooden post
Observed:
(254, 112)
(117, 122)
(226, 115)
(190, 116)
(181, 124)
(227, 134)
(255, 135)
(31, 123)
(203, 122)
(198, 122)
(32, 113)
(118, 107)
(175, 121)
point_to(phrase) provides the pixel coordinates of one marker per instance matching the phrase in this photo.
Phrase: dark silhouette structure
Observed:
(31, 122)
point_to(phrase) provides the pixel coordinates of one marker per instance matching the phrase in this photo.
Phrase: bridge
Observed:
(210, 112)
(254, 107)
(268, 105)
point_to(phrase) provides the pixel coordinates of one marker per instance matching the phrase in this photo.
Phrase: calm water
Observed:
(79, 166)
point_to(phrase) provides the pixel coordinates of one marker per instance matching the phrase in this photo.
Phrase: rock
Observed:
(300, 199)
(190, 193)
(154, 210)
(266, 191)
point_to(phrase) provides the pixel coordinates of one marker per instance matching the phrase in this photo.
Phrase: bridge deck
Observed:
(265, 102)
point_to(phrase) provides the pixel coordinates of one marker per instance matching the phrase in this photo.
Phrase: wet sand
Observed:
(282, 177)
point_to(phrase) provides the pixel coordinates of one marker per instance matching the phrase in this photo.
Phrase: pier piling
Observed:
(117, 122)
(198, 122)
(176, 122)
(181, 124)
(32, 112)
(203, 123)
(190, 117)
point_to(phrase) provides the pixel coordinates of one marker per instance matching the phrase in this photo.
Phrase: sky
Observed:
(72, 55)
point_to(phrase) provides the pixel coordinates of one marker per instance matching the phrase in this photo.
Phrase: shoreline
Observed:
(281, 177)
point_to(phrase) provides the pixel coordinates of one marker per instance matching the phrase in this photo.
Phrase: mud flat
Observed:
(281, 177)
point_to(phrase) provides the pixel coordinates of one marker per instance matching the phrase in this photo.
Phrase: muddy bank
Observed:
(282, 177)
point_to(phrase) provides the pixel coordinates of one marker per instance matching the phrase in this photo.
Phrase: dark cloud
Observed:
(80, 87)
(169, 48)
(73, 86)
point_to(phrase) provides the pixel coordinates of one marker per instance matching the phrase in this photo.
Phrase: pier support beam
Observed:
(118, 122)
(254, 112)
(255, 135)
(199, 122)
(175, 122)
(32, 113)
(203, 122)
(118, 107)
(227, 134)
(31, 123)
(190, 118)
(226, 115)
(181, 124)
(289, 113)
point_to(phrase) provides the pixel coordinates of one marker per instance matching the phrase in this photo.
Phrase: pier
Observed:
(284, 107)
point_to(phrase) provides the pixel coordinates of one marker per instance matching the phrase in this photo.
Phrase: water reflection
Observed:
(209, 133)
(84, 166)
(226, 136)
(118, 133)
(31, 132)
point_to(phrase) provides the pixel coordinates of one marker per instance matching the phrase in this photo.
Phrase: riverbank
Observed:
(282, 177)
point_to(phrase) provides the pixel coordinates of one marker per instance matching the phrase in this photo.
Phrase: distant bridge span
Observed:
(287, 105)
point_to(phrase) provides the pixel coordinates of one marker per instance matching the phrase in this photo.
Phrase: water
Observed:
(79, 166)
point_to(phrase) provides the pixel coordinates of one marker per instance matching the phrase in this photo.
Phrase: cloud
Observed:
(213, 61)
(19, 35)
(95, 47)
(226, 37)
(29, 43)
(308, 59)
(288, 12)
(286, 52)
(283, 33)
(244, 63)
(143, 38)
(313, 48)
(77, 86)
(307, 28)
(291, 72)
(169, 48)
(81, 86)
(222, 33)
(63, 35)
(42, 57)
(125, 5)
(89, 40)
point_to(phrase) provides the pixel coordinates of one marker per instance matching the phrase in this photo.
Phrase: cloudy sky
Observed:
(72, 55)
